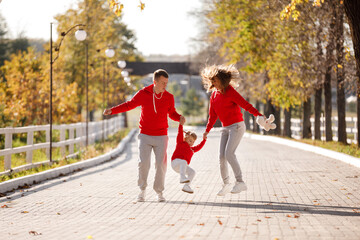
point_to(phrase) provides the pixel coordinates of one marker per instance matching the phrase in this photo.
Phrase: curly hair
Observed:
(191, 134)
(226, 74)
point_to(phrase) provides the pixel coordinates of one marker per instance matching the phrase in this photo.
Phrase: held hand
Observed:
(205, 135)
(107, 112)
(182, 120)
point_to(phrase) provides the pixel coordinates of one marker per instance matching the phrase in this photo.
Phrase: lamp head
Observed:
(109, 52)
(80, 35)
(121, 64)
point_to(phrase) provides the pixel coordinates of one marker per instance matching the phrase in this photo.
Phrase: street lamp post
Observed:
(80, 35)
(109, 52)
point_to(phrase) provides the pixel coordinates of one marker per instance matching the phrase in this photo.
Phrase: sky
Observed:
(33, 17)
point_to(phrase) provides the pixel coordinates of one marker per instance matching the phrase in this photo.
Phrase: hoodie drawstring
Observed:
(154, 96)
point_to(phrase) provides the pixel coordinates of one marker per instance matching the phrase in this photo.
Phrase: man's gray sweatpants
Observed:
(229, 141)
(159, 145)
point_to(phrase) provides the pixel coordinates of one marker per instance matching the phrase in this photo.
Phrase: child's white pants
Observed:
(181, 166)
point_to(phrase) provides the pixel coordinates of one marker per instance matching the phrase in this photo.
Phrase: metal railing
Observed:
(70, 135)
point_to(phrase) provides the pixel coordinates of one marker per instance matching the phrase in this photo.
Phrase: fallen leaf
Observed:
(201, 224)
(170, 224)
(121, 193)
(220, 222)
(34, 233)
(288, 215)
(4, 206)
(258, 220)
(296, 215)
(132, 218)
(356, 210)
(267, 217)
(24, 212)
(293, 227)
(58, 213)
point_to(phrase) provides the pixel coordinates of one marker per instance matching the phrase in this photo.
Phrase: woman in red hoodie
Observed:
(226, 104)
(182, 155)
(156, 105)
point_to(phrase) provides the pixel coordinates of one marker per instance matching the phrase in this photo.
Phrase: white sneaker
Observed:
(224, 190)
(187, 189)
(239, 187)
(161, 198)
(184, 179)
(141, 196)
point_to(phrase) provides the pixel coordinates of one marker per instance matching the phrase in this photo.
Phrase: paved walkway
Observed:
(292, 194)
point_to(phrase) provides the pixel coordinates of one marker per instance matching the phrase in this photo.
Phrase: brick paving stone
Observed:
(292, 194)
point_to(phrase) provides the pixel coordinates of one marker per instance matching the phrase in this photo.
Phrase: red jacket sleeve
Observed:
(212, 116)
(199, 146)
(128, 105)
(239, 100)
(172, 111)
(180, 136)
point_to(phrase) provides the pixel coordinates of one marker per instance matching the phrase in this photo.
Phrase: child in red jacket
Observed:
(182, 155)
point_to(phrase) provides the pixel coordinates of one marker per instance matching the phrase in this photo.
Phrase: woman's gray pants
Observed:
(229, 141)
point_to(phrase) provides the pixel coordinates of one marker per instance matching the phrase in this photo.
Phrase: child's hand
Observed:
(205, 135)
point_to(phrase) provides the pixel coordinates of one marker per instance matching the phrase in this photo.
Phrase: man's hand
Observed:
(182, 120)
(107, 112)
(205, 135)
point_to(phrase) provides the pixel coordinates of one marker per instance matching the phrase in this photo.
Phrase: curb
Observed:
(307, 147)
(60, 171)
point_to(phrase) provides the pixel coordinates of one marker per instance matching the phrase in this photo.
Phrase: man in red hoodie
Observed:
(156, 104)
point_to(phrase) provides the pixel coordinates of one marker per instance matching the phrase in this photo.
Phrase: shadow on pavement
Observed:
(281, 207)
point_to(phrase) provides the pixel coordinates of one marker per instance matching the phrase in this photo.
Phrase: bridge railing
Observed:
(297, 127)
(71, 136)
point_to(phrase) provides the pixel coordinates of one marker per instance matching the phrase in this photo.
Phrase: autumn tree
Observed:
(26, 91)
(104, 29)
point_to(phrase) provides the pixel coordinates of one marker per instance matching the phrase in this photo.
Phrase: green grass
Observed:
(97, 149)
(350, 149)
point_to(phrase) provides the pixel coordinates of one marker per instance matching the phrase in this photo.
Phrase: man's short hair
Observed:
(160, 72)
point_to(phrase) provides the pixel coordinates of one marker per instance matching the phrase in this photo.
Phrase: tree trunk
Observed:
(340, 74)
(306, 119)
(352, 10)
(277, 121)
(319, 86)
(327, 82)
(317, 108)
(287, 123)
(91, 116)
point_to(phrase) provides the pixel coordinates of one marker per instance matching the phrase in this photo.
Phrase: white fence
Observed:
(297, 126)
(76, 136)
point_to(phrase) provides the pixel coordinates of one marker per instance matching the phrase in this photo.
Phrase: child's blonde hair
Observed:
(190, 134)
